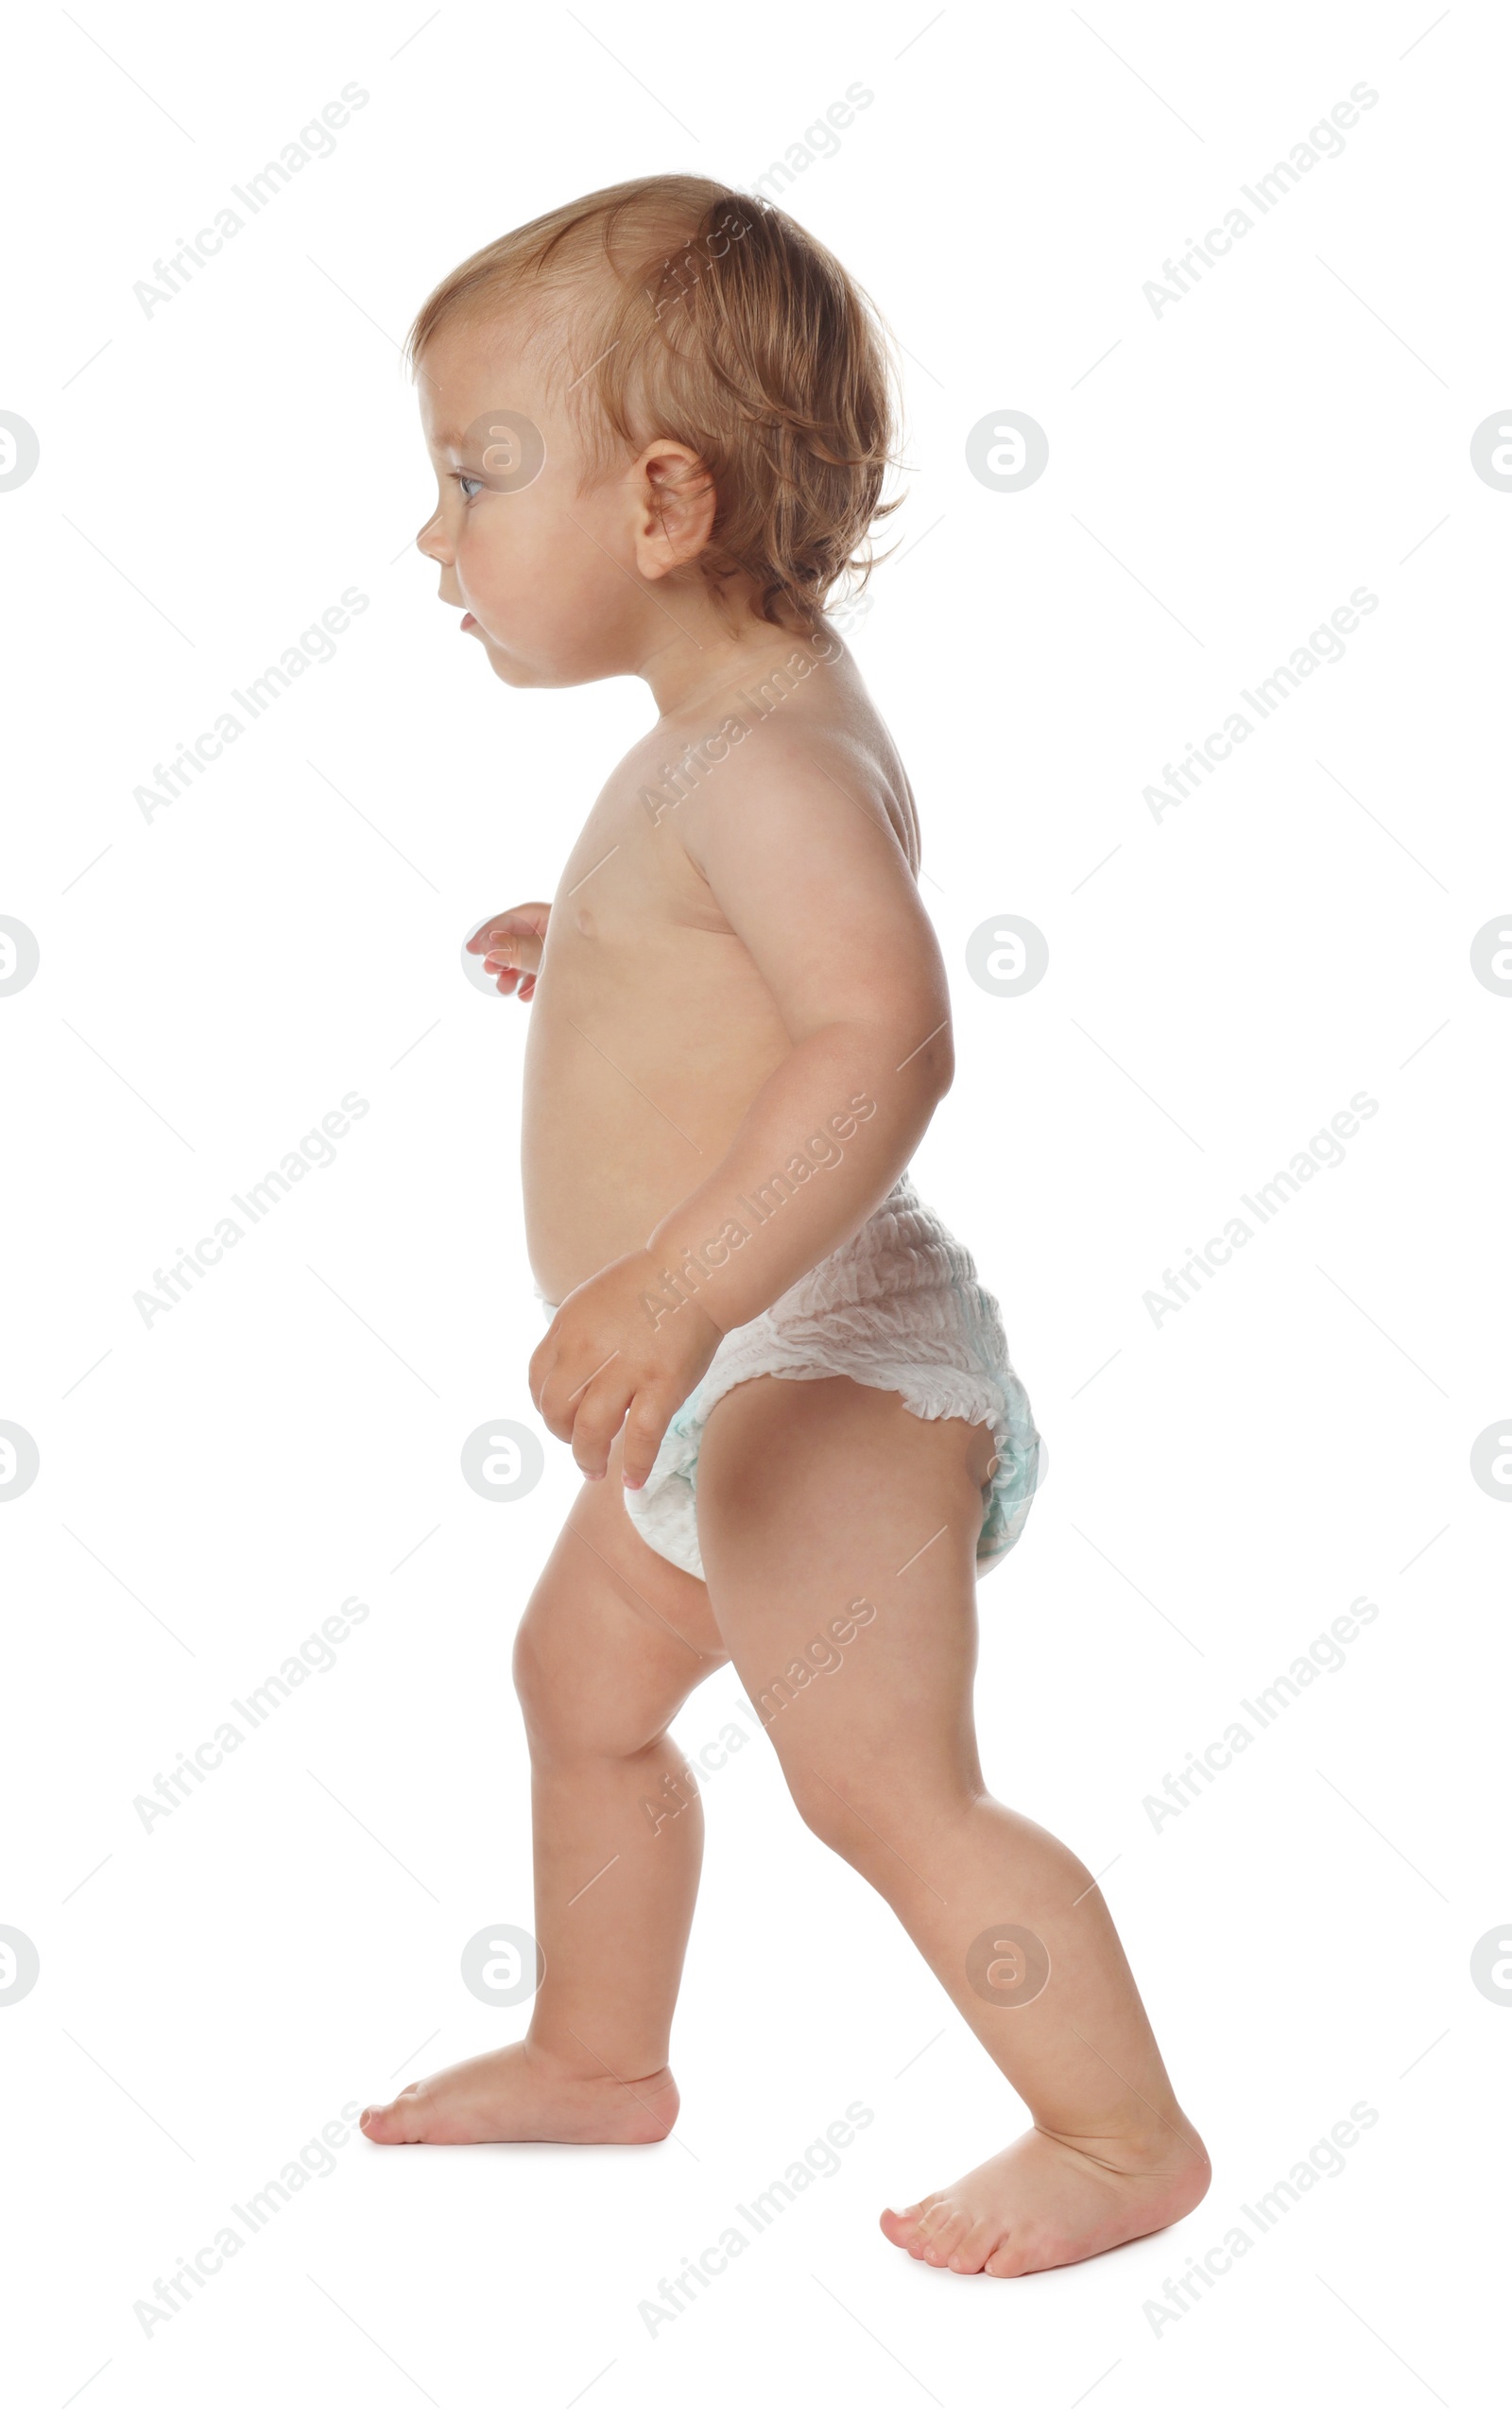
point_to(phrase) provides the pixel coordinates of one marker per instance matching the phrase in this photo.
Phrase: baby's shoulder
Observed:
(798, 767)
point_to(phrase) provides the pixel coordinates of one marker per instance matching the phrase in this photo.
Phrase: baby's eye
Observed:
(469, 485)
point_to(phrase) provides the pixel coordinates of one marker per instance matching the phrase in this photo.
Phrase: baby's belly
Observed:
(622, 1118)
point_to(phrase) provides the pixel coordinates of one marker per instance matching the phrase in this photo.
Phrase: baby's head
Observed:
(663, 399)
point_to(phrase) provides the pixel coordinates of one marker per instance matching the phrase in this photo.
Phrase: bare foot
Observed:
(519, 2095)
(1044, 2202)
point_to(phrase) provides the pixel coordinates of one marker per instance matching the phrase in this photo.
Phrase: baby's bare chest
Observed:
(632, 911)
(651, 1030)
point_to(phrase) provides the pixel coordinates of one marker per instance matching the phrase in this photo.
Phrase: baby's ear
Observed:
(674, 509)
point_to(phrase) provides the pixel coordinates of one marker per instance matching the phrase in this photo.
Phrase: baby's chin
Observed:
(536, 672)
(516, 671)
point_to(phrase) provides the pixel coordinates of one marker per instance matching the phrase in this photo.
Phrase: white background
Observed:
(1221, 1485)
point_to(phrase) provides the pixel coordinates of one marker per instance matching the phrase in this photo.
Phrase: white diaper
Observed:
(899, 1308)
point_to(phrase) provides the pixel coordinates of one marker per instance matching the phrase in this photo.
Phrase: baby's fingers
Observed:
(539, 1369)
(594, 1413)
(505, 960)
(509, 976)
(645, 1424)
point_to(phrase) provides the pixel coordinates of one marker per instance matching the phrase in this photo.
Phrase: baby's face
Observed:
(538, 567)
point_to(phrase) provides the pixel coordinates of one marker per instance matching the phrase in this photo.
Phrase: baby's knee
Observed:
(560, 1718)
(866, 1818)
(574, 1703)
(532, 1674)
(841, 1812)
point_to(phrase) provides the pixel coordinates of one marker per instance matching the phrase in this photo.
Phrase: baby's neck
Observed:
(691, 670)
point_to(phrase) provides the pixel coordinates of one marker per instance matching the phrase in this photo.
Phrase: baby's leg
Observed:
(813, 1493)
(612, 1640)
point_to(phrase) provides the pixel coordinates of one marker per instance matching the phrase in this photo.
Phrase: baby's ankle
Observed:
(569, 2063)
(1152, 2146)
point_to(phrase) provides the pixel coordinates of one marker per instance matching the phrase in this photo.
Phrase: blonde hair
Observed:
(676, 306)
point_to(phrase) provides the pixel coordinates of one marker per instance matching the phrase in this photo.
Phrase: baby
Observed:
(660, 419)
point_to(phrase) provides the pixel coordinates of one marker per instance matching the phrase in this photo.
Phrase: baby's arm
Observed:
(808, 872)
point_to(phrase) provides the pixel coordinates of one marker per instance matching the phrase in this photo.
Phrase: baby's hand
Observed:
(514, 943)
(608, 1354)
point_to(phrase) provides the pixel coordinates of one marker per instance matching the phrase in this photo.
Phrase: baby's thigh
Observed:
(613, 1636)
(838, 1532)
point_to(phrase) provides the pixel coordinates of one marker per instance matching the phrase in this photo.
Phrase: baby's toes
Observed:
(946, 2233)
(1012, 2258)
(977, 2246)
(903, 2226)
(393, 2120)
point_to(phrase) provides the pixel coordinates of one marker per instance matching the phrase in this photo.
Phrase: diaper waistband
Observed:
(903, 1196)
